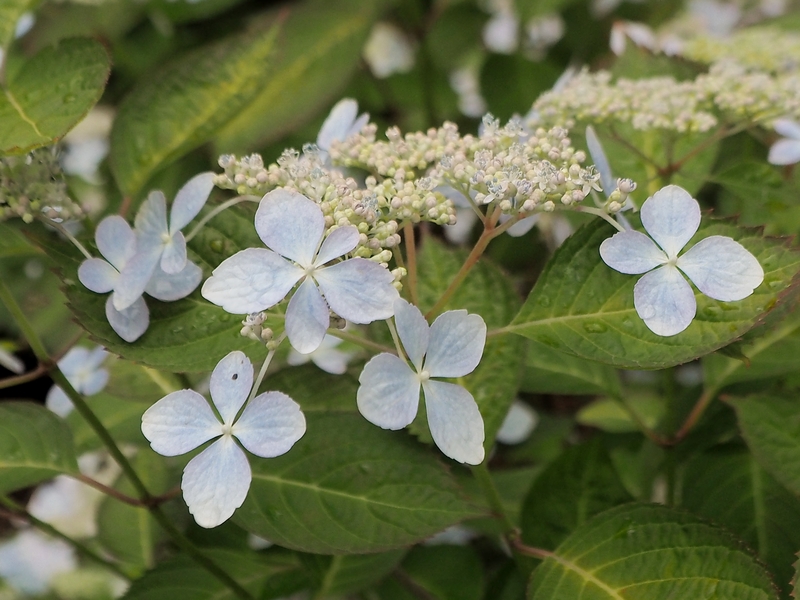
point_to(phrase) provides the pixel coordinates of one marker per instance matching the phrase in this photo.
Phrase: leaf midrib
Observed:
(13, 101)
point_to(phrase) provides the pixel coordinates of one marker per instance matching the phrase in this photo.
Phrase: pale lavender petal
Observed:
(134, 277)
(250, 281)
(665, 301)
(189, 200)
(338, 123)
(173, 257)
(357, 125)
(413, 331)
(215, 482)
(307, 318)
(523, 226)
(722, 268)
(73, 361)
(58, 401)
(96, 357)
(115, 240)
(339, 242)
(632, 253)
(131, 323)
(151, 220)
(94, 382)
(270, 425)
(358, 290)
(291, 225)
(671, 217)
(784, 152)
(460, 232)
(455, 421)
(389, 392)
(231, 381)
(180, 422)
(456, 344)
(169, 288)
(331, 360)
(599, 159)
(97, 275)
(788, 128)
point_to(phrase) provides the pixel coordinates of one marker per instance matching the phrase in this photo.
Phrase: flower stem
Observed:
(108, 441)
(225, 205)
(411, 259)
(63, 231)
(262, 373)
(360, 341)
(395, 339)
(484, 479)
(599, 212)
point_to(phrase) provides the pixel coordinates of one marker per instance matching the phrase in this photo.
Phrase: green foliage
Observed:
(444, 572)
(581, 306)
(35, 445)
(653, 552)
(49, 94)
(548, 371)
(10, 12)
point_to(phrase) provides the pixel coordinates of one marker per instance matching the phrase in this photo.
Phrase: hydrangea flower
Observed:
(292, 227)
(30, 560)
(116, 241)
(327, 357)
(720, 267)
(518, 425)
(161, 243)
(81, 367)
(216, 481)
(388, 50)
(452, 347)
(342, 122)
(786, 151)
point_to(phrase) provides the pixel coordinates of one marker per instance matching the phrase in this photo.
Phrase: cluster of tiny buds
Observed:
(32, 185)
(253, 328)
(619, 197)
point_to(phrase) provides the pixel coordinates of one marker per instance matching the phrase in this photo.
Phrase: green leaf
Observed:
(650, 552)
(771, 427)
(548, 371)
(730, 487)
(342, 575)
(490, 293)
(190, 335)
(49, 94)
(34, 445)
(320, 48)
(576, 486)
(445, 572)
(10, 12)
(609, 414)
(185, 103)
(179, 578)
(350, 487)
(314, 389)
(581, 306)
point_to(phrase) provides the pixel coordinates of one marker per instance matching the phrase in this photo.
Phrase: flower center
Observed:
(227, 430)
(424, 375)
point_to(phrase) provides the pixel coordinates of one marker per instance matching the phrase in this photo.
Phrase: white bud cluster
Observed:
(765, 48)
(253, 328)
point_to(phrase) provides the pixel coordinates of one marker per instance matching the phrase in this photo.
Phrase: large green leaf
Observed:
(771, 427)
(34, 445)
(320, 48)
(548, 371)
(649, 552)
(342, 574)
(581, 306)
(179, 578)
(188, 335)
(576, 486)
(445, 572)
(184, 104)
(314, 389)
(350, 487)
(730, 487)
(50, 93)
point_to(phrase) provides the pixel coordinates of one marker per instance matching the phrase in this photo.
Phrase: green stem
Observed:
(83, 409)
(358, 340)
(67, 235)
(265, 366)
(396, 339)
(484, 479)
(411, 259)
(599, 212)
(225, 205)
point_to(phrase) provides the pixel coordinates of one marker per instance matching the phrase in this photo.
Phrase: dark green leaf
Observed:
(349, 574)
(350, 487)
(34, 445)
(548, 371)
(581, 306)
(445, 572)
(650, 552)
(51, 93)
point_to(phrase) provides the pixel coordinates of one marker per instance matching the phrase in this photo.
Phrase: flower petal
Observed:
(339, 242)
(456, 344)
(784, 152)
(270, 425)
(134, 276)
(522, 226)
(338, 123)
(455, 421)
(722, 268)
(307, 318)
(115, 240)
(131, 323)
(96, 357)
(215, 482)
(58, 401)
(460, 232)
(358, 290)
(97, 275)
(671, 217)
(631, 252)
(665, 301)
(598, 154)
(787, 128)
(413, 331)
(250, 281)
(518, 424)
(169, 288)
(173, 257)
(94, 382)
(73, 361)
(151, 220)
(189, 200)
(389, 392)
(290, 224)
(331, 360)
(231, 381)
(179, 422)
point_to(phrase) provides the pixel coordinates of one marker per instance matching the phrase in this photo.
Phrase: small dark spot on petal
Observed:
(235, 376)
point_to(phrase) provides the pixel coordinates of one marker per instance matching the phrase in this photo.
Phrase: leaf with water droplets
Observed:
(34, 445)
(638, 551)
(583, 307)
(49, 94)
